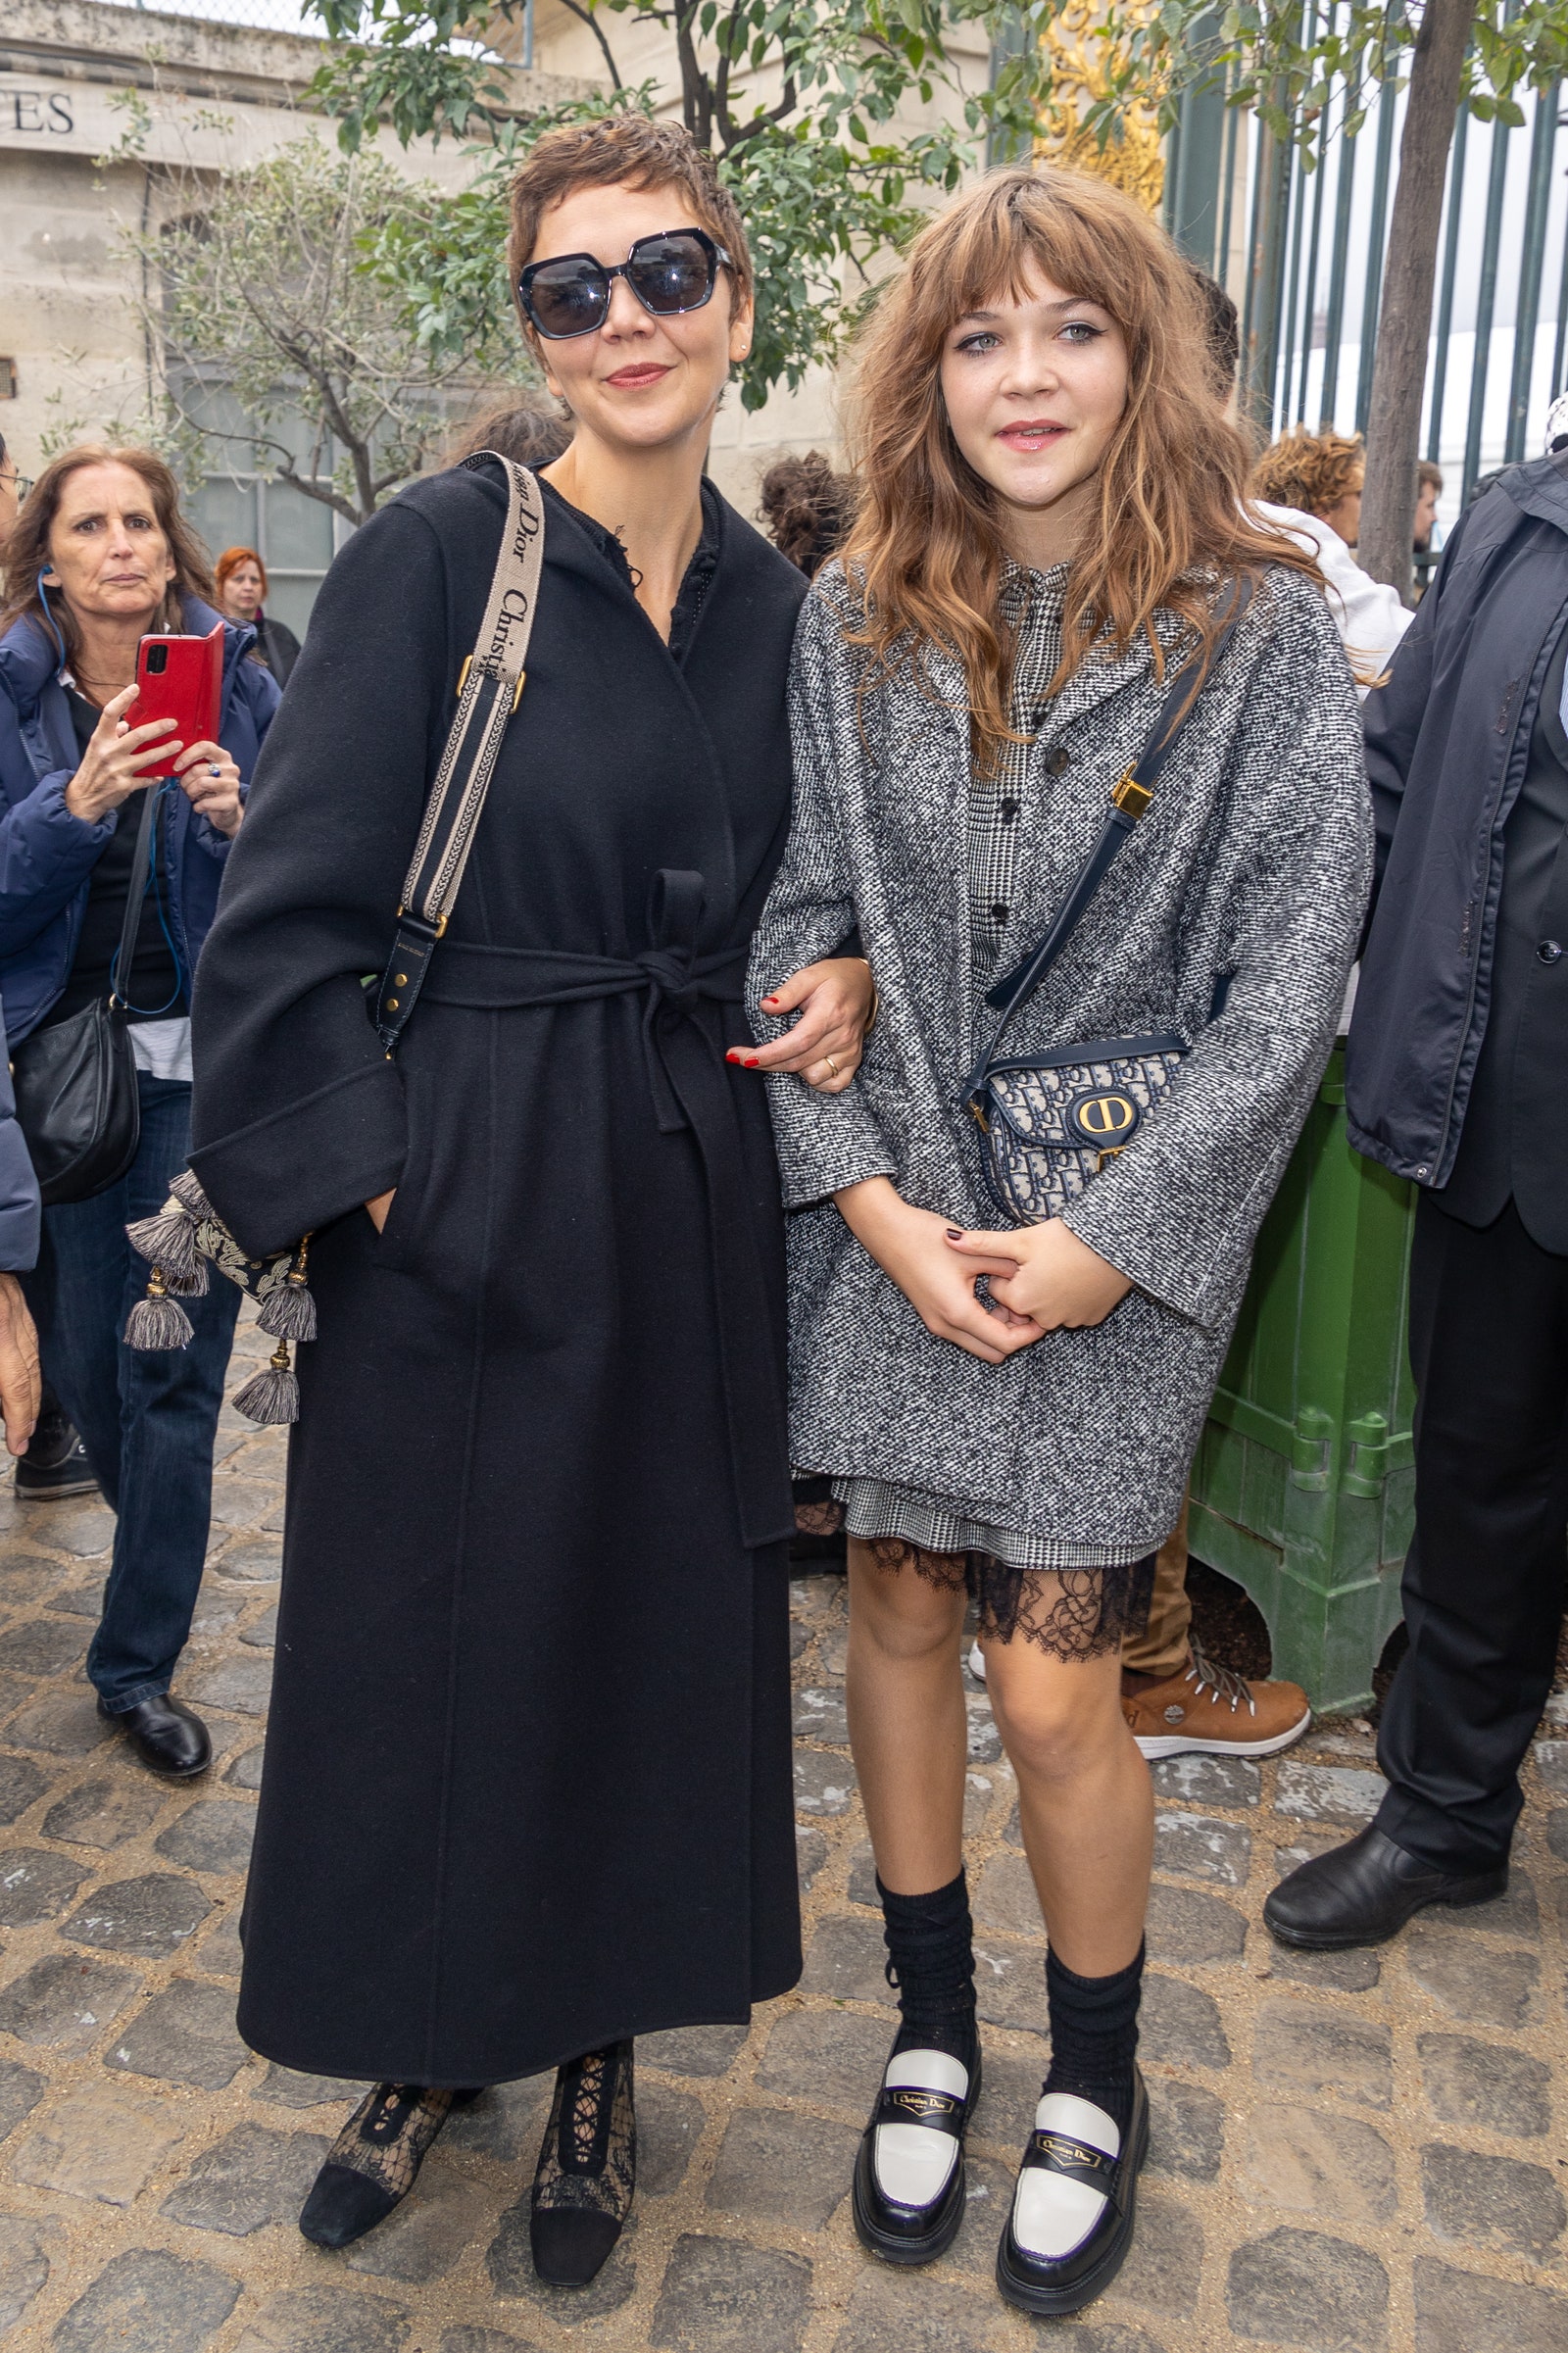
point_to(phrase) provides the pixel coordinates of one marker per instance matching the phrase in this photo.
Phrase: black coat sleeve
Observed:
(298, 1114)
(1392, 715)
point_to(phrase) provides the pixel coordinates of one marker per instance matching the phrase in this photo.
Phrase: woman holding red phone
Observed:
(101, 558)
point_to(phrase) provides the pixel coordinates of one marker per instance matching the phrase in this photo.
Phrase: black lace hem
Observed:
(1067, 1613)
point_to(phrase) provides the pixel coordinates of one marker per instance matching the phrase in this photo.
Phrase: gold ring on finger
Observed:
(832, 1066)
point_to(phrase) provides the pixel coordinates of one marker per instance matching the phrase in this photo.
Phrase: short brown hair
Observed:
(808, 508)
(622, 151)
(1310, 471)
(229, 561)
(1428, 474)
(529, 435)
(28, 549)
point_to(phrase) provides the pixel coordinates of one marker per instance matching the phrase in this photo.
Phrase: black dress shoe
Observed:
(1072, 2220)
(1365, 1891)
(909, 2193)
(164, 1734)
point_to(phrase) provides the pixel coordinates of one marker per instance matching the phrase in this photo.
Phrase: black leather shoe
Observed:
(1365, 1891)
(909, 2191)
(168, 1738)
(1072, 2220)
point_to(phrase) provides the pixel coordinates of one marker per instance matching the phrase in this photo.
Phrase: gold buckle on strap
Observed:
(1131, 796)
(462, 680)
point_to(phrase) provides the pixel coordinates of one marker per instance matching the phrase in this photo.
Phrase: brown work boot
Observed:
(1211, 1710)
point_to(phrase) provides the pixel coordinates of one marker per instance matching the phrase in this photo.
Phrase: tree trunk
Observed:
(1398, 377)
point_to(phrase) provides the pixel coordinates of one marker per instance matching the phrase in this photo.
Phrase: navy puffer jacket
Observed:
(47, 854)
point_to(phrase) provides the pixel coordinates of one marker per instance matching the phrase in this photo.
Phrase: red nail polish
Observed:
(752, 1062)
(771, 1000)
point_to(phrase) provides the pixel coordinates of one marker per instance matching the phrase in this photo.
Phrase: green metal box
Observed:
(1302, 1486)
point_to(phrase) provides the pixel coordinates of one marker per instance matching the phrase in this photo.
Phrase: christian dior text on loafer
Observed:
(909, 2170)
(1072, 2220)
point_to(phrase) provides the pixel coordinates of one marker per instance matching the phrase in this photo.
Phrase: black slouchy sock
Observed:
(930, 1941)
(1094, 2035)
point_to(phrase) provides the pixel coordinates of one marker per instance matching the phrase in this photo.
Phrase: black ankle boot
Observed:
(908, 2190)
(373, 2163)
(587, 2171)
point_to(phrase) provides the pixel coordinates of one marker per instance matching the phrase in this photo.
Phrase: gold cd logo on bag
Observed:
(1103, 1120)
(1106, 1115)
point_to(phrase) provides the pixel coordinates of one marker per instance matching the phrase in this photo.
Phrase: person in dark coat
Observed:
(527, 1786)
(1454, 1079)
(241, 578)
(100, 556)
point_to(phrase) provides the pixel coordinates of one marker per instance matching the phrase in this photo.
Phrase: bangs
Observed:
(1020, 232)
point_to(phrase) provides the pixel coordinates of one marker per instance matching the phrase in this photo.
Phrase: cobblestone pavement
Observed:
(1350, 2152)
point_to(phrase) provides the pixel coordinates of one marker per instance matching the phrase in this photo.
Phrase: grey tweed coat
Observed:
(1253, 865)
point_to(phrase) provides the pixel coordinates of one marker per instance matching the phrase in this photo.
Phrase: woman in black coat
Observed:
(527, 1786)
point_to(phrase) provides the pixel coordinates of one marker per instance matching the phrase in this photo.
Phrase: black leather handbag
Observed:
(1050, 1121)
(76, 1081)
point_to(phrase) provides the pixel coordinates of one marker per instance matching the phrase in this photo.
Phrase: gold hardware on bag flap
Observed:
(462, 680)
(1131, 796)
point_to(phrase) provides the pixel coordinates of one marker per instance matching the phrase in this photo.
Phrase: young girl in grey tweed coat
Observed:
(1052, 524)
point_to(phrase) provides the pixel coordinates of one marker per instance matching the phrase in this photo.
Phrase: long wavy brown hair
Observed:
(928, 547)
(27, 551)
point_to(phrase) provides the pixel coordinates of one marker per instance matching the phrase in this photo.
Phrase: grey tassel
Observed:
(271, 1396)
(289, 1311)
(168, 1241)
(194, 1286)
(187, 1189)
(157, 1321)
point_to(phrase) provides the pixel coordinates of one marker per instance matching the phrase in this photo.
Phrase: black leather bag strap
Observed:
(489, 689)
(141, 874)
(1130, 799)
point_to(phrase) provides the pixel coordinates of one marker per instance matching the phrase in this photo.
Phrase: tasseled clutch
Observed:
(180, 1243)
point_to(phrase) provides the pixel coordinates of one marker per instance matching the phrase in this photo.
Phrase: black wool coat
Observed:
(528, 1780)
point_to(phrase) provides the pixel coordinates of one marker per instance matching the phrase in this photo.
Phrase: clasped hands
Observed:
(1041, 1278)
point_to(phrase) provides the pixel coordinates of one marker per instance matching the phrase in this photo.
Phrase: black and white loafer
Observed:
(908, 2170)
(1071, 2219)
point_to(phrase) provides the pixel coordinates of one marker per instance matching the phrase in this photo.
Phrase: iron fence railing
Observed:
(1303, 250)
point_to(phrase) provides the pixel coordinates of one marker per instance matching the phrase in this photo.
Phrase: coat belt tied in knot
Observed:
(691, 1089)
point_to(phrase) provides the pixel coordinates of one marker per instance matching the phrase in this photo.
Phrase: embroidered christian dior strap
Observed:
(907, 2104)
(489, 689)
(1059, 2153)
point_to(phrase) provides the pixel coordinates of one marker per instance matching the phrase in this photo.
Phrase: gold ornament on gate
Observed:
(1088, 64)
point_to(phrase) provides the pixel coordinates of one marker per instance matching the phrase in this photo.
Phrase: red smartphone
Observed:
(182, 678)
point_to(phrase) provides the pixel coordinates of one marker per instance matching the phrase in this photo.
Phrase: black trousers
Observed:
(1484, 1579)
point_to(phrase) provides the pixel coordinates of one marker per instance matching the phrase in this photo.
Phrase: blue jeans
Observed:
(147, 1421)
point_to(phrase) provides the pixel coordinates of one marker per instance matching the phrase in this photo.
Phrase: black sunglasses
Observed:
(570, 295)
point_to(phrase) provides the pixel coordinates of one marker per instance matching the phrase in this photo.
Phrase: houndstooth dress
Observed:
(1060, 1471)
